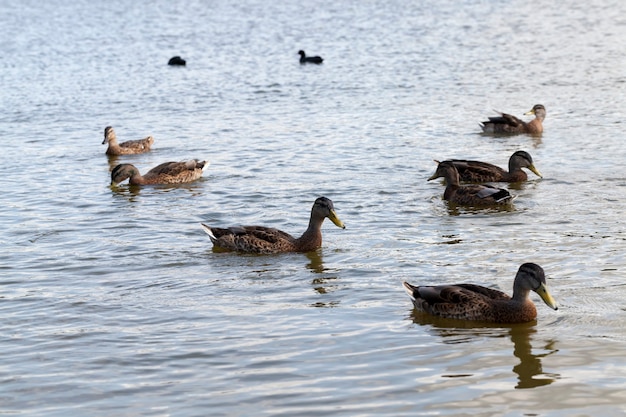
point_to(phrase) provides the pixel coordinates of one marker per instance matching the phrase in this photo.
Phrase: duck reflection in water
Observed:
(529, 370)
(324, 283)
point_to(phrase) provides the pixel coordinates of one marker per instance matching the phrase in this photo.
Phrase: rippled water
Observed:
(114, 303)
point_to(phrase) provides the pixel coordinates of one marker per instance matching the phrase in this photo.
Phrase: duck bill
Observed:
(535, 171)
(433, 177)
(531, 111)
(333, 218)
(546, 297)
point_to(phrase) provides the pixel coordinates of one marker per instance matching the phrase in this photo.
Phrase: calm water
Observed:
(113, 302)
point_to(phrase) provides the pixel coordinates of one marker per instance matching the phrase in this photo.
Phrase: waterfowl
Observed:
(125, 148)
(506, 123)
(477, 171)
(475, 302)
(267, 240)
(166, 173)
(309, 59)
(470, 194)
(176, 60)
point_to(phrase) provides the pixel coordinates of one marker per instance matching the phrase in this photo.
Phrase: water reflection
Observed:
(529, 370)
(325, 283)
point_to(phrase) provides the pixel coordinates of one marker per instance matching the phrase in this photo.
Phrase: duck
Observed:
(469, 194)
(309, 59)
(130, 147)
(478, 303)
(508, 124)
(176, 60)
(477, 171)
(165, 173)
(267, 240)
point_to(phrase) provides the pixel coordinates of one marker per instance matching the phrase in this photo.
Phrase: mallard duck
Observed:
(309, 59)
(176, 60)
(125, 148)
(166, 173)
(477, 171)
(506, 123)
(474, 302)
(470, 194)
(266, 240)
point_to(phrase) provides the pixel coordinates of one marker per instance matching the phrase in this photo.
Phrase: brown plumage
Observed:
(166, 173)
(125, 148)
(508, 124)
(477, 171)
(470, 194)
(474, 302)
(266, 240)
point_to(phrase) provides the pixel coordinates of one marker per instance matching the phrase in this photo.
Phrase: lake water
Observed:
(114, 304)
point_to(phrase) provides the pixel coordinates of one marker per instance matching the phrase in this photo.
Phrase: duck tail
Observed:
(208, 231)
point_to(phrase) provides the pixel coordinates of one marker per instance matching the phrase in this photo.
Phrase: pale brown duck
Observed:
(509, 124)
(166, 173)
(125, 148)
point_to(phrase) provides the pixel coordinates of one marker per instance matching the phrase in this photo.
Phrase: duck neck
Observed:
(452, 182)
(311, 239)
(520, 294)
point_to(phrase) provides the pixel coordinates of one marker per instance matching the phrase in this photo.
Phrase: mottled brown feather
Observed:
(125, 148)
(509, 124)
(478, 195)
(165, 173)
(478, 171)
(475, 302)
(267, 240)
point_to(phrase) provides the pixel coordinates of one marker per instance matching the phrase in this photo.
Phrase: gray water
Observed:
(114, 304)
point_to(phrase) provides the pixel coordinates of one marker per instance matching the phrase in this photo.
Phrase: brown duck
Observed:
(508, 124)
(477, 171)
(470, 194)
(267, 240)
(474, 302)
(125, 148)
(166, 173)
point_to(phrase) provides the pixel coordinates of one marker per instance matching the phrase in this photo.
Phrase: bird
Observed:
(176, 60)
(469, 194)
(165, 173)
(125, 148)
(309, 59)
(477, 171)
(508, 124)
(267, 240)
(475, 302)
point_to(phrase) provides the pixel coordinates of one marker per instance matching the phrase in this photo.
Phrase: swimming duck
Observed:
(267, 240)
(125, 148)
(166, 173)
(176, 60)
(470, 194)
(474, 302)
(309, 59)
(506, 123)
(477, 171)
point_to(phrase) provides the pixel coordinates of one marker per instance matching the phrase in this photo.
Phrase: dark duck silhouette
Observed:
(309, 59)
(176, 60)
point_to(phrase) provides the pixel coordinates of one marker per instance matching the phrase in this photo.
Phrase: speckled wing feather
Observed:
(464, 301)
(138, 146)
(255, 239)
(477, 171)
(176, 172)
